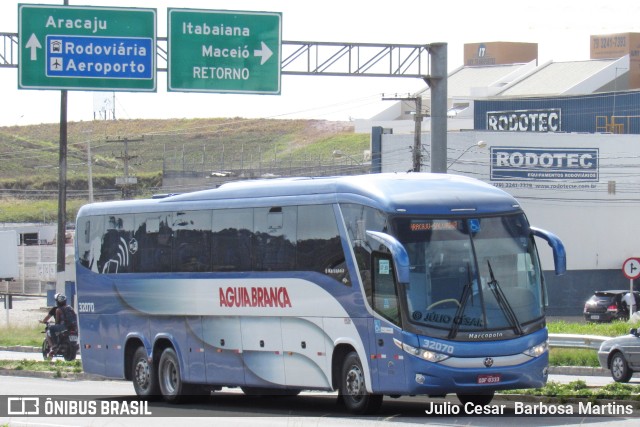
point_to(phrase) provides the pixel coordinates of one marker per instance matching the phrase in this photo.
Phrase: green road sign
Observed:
(224, 51)
(86, 48)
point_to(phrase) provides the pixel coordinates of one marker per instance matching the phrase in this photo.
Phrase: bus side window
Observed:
(319, 246)
(84, 244)
(385, 299)
(154, 238)
(232, 232)
(116, 250)
(192, 241)
(274, 238)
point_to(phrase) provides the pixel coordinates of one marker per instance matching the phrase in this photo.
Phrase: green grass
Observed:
(39, 211)
(22, 335)
(573, 357)
(612, 329)
(59, 367)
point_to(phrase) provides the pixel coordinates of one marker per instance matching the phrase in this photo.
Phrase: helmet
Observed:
(61, 299)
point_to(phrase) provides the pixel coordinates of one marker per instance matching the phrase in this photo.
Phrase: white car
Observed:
(621, 355)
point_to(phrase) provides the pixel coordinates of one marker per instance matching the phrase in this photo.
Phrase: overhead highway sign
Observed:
(86, 48)
(224, 51)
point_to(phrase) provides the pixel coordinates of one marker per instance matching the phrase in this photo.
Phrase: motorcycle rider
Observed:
(61, 313)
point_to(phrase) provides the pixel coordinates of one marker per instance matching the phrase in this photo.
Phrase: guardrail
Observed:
(591, 342)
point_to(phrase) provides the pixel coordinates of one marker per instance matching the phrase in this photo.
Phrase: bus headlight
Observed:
(537, 350)
(429, 356)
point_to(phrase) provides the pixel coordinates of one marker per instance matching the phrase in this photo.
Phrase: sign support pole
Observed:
(633, 308)
(62, 186)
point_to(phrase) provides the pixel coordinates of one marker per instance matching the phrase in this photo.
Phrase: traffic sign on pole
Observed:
(631, 268)
(86, 48)
(224, 51)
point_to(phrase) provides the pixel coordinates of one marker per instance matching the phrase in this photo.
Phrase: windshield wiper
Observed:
(466, 291)
(503, 303)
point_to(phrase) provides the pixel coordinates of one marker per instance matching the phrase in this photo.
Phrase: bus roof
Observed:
(410, 193)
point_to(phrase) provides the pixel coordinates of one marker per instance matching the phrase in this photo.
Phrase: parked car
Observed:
(621, 355)
(605, 306)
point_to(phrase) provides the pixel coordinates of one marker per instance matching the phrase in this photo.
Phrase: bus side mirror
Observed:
(398, 252)
(559, 254)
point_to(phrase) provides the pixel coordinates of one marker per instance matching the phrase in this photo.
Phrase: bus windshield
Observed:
(471, 275)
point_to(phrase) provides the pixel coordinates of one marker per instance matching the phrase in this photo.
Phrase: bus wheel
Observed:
(171, 385)
(476, 399)
(353, 389)
(145, 382)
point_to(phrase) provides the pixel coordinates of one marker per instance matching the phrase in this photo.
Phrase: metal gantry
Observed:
(9, 50)
(355, 59)
(308, 58)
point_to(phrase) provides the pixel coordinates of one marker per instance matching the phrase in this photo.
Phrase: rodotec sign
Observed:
(525, 120)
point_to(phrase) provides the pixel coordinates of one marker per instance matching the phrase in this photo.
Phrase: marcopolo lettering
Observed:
(526, 163)
(525, 121)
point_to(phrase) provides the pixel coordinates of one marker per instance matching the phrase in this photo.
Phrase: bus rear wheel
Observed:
(171, 385)
(145, 381)
(353, 389)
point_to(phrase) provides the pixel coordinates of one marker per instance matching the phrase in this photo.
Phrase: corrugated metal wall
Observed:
(578, 112)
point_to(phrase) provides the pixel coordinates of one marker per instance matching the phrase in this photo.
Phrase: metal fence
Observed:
(183, 172)
(591, 342)
(36, 265)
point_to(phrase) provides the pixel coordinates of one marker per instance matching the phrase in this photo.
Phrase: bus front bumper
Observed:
(465, 376)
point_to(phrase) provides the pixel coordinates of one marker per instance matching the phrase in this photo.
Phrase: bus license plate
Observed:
(73, 338)
(489, 378)
(595, 316)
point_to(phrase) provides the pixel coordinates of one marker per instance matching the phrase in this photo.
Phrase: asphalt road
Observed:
(231, 407)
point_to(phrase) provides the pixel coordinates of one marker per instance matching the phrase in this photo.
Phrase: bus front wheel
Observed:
(353, 387)
(171, 385)
(145, 381)
(482, 399)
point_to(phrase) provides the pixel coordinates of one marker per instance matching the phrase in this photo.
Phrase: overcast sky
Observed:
(561, 29)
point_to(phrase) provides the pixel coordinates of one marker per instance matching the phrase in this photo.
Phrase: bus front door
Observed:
(387, 358)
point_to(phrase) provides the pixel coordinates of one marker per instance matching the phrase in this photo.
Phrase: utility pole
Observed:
(90, 171)
(125, 157)
(417, 137)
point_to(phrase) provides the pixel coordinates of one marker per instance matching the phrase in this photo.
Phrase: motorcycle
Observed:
(67, 344)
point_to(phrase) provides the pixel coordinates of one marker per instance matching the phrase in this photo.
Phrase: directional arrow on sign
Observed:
(631, 268)
(34, 45)
(264, 52)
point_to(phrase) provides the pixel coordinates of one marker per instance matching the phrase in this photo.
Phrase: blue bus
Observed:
(372, 285)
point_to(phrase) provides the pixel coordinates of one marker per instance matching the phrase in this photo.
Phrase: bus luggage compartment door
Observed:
(305, 358)
(262, 351)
